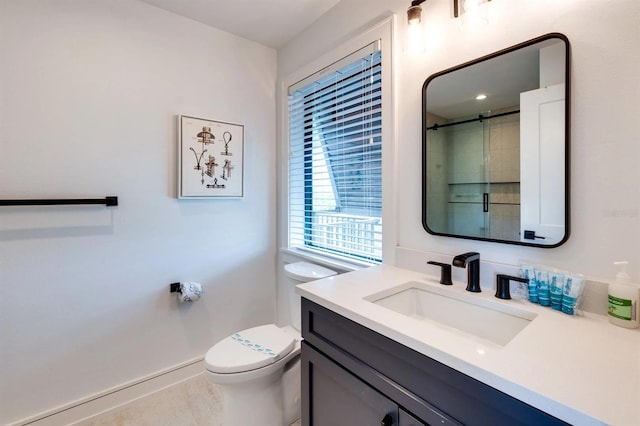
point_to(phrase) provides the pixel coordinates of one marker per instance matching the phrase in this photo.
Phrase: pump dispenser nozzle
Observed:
(622, 277)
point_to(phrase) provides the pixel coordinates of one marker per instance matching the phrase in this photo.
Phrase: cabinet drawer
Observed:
(406, 419)
(415, 381)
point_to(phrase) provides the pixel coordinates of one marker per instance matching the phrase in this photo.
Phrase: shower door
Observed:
(468, 179)
(474, 179)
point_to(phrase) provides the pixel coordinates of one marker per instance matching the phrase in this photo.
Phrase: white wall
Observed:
(89, 91)
(605, 195)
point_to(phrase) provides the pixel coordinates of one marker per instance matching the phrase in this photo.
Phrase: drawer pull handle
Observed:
(387, 420)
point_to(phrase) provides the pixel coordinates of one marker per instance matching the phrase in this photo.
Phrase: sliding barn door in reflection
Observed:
(477, 184)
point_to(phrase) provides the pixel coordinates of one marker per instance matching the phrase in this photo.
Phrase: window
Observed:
(335, 159)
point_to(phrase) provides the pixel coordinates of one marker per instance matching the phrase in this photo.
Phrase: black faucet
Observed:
(502, 285)
(471, 261)
(445, 272)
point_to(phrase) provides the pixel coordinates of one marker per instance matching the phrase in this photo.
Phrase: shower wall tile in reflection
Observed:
(504, 147)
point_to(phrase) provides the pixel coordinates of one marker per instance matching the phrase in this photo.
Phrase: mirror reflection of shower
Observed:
(476, 175)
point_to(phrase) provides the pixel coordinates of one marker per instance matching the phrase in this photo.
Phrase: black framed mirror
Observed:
(495, 146)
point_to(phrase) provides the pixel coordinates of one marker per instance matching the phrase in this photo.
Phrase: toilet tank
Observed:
(298, 273)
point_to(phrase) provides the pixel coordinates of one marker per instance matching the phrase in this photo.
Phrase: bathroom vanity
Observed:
(368, 357)
(393, 379)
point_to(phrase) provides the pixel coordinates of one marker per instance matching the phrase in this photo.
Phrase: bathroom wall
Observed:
(605, 196)
(89, 92)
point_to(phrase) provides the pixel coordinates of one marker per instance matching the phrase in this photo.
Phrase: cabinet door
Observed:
(333, 397)
(542, 163)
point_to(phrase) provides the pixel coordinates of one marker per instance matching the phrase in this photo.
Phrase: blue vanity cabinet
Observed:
(352, 375)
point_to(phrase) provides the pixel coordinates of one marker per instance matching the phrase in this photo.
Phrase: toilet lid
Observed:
(249, 349)
(304, 271)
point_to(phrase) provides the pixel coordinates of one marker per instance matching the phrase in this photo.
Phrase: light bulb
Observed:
(414, 15)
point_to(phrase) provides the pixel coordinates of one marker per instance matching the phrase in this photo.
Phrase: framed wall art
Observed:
(210, 158)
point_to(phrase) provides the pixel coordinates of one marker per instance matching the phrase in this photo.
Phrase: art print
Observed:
(210, 158)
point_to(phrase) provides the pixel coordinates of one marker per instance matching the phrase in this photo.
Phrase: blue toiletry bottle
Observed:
(542, 281)
(568, 302)
(555, 288)
(528, 273)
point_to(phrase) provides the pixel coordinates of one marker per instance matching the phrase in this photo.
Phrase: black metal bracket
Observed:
(107, 201)
(479, 118)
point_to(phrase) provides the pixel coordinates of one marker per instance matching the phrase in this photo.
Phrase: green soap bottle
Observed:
(623, 299)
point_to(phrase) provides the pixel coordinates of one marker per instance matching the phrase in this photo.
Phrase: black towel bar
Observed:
(107, 201)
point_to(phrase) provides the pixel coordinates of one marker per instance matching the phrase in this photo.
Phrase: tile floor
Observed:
(194, 402)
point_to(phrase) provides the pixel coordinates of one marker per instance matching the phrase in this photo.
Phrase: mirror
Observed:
(495, 146)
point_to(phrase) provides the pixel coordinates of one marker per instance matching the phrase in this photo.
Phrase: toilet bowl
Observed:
(259, 368)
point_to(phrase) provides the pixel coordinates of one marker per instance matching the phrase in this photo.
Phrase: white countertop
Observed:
(581, 369)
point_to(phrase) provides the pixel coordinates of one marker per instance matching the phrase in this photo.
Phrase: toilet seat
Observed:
(249, 349)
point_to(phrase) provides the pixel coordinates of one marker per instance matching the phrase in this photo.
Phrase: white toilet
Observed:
(259, 368)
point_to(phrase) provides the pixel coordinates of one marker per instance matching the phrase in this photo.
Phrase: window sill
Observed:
(335, 263)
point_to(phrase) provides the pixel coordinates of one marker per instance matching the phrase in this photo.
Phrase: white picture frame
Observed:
(210, 158)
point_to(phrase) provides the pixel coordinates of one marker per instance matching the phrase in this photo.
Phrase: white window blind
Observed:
(335, 162)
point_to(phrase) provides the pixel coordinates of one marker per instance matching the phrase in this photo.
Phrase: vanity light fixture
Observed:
(462, 6)
(414, 13)
(415, 31)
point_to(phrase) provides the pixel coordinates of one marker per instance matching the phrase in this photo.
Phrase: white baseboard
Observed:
(117, 396)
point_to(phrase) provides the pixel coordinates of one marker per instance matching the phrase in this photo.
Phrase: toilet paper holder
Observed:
(187, 291)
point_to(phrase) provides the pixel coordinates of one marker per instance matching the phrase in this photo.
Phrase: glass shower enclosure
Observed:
(475, 181)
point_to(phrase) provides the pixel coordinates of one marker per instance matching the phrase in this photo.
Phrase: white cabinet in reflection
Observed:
(542, 163)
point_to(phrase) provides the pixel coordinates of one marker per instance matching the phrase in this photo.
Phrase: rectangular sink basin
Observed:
(468, 314)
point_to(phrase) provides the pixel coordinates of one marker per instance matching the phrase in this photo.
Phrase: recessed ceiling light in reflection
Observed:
(481, 97)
